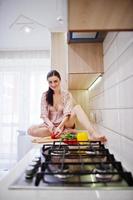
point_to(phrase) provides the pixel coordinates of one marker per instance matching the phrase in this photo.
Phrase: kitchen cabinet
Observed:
(79, 64)
(85, 64)
(85, 58)
(90, 15)
(81, 81)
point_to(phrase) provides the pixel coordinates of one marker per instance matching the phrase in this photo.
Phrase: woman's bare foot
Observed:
(98, 137)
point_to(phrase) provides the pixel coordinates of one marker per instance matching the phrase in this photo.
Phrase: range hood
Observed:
(89, 37)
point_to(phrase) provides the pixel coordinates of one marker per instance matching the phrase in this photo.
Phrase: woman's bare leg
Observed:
(84, 120)
(38, 131)
(71, 121)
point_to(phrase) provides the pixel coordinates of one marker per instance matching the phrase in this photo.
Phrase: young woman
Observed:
(58, 112)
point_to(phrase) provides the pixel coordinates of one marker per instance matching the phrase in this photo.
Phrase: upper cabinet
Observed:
(85, 64)
(79, 64)
(88, 23)
(85, 58)
(108, 15)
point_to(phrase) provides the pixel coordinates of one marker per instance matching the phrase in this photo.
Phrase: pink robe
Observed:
(50, 115)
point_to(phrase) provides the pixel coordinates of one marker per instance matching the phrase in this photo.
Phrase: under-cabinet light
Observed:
(95, 83)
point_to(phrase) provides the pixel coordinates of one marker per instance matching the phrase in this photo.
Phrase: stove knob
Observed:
(37, 159)
(35, 164)
(29, 172)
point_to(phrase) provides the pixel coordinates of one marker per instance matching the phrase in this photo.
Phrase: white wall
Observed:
(112, 99)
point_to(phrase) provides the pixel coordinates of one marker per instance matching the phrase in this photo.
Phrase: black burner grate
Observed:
(88, 164)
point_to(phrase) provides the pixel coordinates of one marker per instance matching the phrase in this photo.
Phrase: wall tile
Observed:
(109, 40)
(123, 40)
(110, 119)
(113, 141)
(126, 122)
(126, 153)
(126, 93)
(111, 97)
(97, 102)
(110, 56)
(111, 76)
(125, 64)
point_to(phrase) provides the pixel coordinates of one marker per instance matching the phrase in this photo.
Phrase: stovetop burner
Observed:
(59, 150)
(84, 165)
(103, 172)
(104, 167)
(60, 171)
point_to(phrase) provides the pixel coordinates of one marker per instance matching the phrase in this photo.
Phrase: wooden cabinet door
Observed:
(85, 58)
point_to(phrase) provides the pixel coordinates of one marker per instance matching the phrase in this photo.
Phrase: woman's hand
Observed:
(57, 131)
(51, 129)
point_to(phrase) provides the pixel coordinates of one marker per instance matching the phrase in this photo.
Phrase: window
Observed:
(20, 95)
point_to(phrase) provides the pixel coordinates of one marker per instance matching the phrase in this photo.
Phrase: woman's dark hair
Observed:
(50, 92)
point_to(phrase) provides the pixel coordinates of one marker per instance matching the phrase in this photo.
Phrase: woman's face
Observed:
(54, 83)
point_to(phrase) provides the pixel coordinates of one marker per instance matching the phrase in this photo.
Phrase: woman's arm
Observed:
(60, 128)
(67, 103)
(49, 123)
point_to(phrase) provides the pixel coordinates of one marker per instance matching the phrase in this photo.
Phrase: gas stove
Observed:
(84, 165)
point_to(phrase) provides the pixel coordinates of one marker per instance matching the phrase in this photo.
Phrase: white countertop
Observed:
(49, 193)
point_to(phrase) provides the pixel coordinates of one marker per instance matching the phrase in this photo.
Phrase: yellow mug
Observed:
(82, 136)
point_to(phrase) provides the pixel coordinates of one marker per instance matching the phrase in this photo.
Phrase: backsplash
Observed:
(112, 99)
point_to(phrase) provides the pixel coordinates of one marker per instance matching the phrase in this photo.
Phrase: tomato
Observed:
(54, 136)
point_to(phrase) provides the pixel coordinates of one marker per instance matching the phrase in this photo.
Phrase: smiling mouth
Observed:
(54, 87)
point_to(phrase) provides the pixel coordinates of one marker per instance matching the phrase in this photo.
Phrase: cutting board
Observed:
(47, 139)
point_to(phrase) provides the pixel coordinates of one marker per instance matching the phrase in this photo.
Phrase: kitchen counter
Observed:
(49, 193)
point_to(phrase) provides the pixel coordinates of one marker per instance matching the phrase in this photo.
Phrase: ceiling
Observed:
(40, 17)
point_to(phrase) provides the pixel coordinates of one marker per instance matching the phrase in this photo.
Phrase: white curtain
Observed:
(22, 82)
